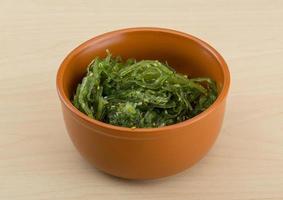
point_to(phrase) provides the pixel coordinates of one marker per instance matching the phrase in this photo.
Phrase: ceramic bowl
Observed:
(144, 153)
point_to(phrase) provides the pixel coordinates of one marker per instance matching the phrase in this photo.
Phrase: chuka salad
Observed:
(141, 94)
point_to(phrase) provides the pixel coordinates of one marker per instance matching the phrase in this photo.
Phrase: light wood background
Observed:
(37, 159)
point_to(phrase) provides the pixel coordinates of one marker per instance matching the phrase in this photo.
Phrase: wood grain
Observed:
(37, 159)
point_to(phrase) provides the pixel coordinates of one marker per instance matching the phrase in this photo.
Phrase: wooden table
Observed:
(37, 159)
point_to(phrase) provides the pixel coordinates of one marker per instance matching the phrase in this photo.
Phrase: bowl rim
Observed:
(66, 101)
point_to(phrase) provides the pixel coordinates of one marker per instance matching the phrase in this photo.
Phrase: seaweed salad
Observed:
(141, 94)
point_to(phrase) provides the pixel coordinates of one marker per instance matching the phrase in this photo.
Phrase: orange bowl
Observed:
(144, 153)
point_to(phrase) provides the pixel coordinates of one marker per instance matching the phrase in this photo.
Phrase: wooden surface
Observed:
(37, 159)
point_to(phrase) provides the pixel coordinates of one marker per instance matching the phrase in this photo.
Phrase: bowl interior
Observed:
(184, 53)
